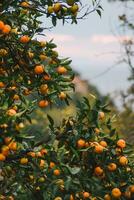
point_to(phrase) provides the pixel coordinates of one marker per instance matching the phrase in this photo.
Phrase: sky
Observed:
(94, 47)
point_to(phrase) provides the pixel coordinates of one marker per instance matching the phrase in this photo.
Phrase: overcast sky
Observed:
(94, 47)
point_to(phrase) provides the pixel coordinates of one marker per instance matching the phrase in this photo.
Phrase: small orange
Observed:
(116, 193)
(1, 25)
(127, 194)
(103, 143)
(56, 172)
(38, 154)
(61, 70)
(16, 97)
(46, 77)
(30, 54)
(13, 146)
(2, 157)
(50, 9)
(24, 4)
(107, 197)
(71, 197)
(74, 8)
(98, 171)
(43, 103)
(121, 143)
(32, 154)
(123, 160)
(62, 95)
(44, 89)
(11, 112)
(57, 7)
(98, 149)
(42, 163)
(24, 161)
(39, 69)
(6, 29)
(52, 165)
(86, 195)
(112, 167)
(7, 140)
(131, 188)
(25, 39)
(42, 57)
(101, 115)
(97, 131)
(5, 150)
(43, 151)
(81, 143)
(2, 85)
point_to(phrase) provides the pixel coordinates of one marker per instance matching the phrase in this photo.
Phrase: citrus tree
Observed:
(83, 158)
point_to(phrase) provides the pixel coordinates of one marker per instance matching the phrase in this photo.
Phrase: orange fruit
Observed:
(5, 150)
(38, 154)
(46, 77)
(71, 197)
(7, 140)
(44, 89)
(30, 54)
(2, 157)
(107, 197)
(6, 29)
(112, 167)
(43, 103)
(98, 171)
(3, 52)
(98, 149)
(32, 154)
(81, 143)
(1, 25)
(56, 172)
(118, 151)
(43, 151)
(2, 85)
(50, 9)
(13, 146)
(61, 70)
(57, 7)
(25, 39)
(103, 143)
(16, 97)
(97, 131)
(24, 4)
(123, 160)
(62, 95)
(101, 115)
(86, 195)
(74, 9)
(116, 193)
(42, 163)
(42, 57)
(121, 143)
(39, 69)
(26, 92)
(23, 161)
(42, 43)
(131, 188)
(11, 112)
(127, 194)
(52, 165)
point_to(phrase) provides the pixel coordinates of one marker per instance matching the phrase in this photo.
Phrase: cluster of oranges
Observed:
(57, 7)
(9, 146)
(4, 28)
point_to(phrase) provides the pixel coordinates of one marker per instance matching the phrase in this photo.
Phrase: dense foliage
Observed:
(83, 158)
